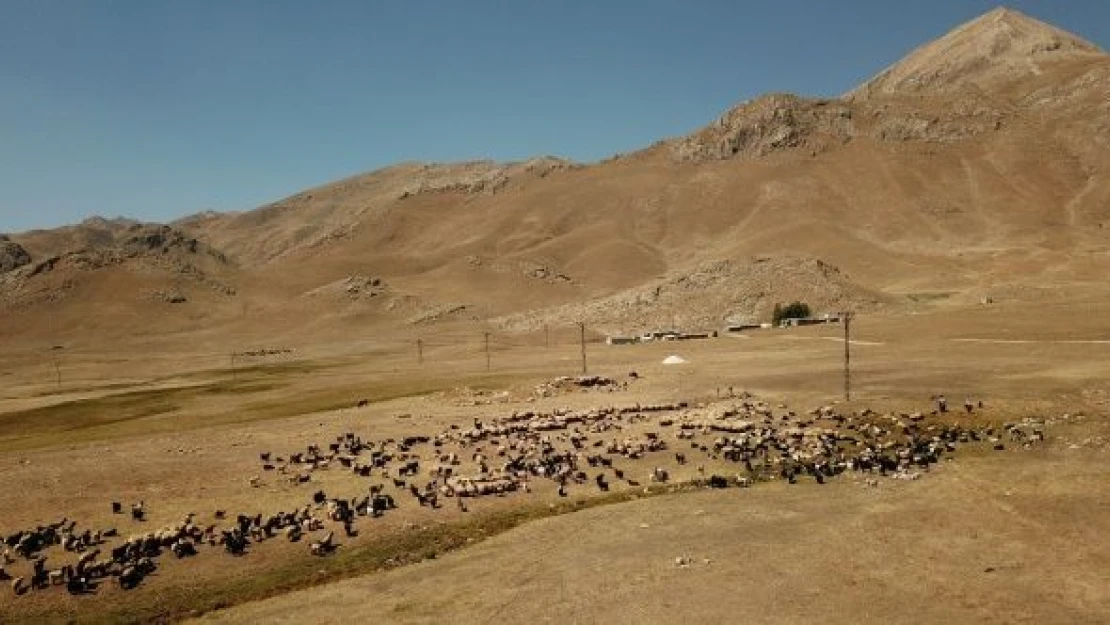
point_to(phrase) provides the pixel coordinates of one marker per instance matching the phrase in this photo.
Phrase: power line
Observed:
(582, 341)
(847, 319)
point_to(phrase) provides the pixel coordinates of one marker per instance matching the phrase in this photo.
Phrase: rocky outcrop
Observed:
(479, 176)
(12, 255)
(158, 239)
(710, 295)
(769, 124)
(352, 288)
(911, 119)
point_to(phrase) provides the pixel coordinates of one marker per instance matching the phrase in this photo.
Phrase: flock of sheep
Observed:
(735, 443)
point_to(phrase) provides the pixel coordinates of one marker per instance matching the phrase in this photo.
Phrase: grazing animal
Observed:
(77, 585)
(322, 547)
(130, 577)
(601, 483)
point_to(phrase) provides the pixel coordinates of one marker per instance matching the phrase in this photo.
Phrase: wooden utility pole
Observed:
(546, 336)
(419, 351)
(847, 320)
(582, 341)
(58, 371)
(231, 364)
(487, 351)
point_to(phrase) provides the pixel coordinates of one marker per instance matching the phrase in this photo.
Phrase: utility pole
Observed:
(419, 351)
(847, 320)
(582, 341)
(546, 336)
(487, 351)
(231, 364)
(57, 371)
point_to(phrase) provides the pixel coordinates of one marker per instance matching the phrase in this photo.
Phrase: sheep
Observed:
(77, 585)
(322, 547)
(601, 483)
(130, 577)
(40, 577)
(86, 558)
(183, 548)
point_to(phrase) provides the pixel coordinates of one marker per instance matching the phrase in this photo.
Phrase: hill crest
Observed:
(997, 47)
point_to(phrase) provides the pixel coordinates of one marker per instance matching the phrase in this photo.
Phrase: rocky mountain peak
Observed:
(997, 47)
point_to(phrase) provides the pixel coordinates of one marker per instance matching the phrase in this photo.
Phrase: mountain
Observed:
(975, 167)
(985, 54)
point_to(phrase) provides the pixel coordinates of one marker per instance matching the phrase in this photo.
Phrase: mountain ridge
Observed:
(992, 177)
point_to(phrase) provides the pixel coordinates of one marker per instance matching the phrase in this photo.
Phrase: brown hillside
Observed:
(975, 167)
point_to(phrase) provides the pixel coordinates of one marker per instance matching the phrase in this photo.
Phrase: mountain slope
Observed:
(992, 50)
(975, 167)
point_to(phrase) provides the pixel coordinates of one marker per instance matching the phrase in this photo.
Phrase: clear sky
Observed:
(155, 109)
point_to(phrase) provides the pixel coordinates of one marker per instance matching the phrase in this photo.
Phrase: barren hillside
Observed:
(975, 167)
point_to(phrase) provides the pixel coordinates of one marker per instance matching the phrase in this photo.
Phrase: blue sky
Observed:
(156, 108)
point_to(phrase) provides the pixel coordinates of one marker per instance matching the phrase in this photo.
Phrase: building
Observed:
(690, 336)
(660, 335)
(809, 321)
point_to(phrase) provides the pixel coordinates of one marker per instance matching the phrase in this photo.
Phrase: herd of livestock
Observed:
(736, 443)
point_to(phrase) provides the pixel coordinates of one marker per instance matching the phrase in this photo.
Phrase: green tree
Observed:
(794, 310)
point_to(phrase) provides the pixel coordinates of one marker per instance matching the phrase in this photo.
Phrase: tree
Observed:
(795, 310)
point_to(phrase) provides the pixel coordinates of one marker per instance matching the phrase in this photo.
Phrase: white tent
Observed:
(674, 360)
